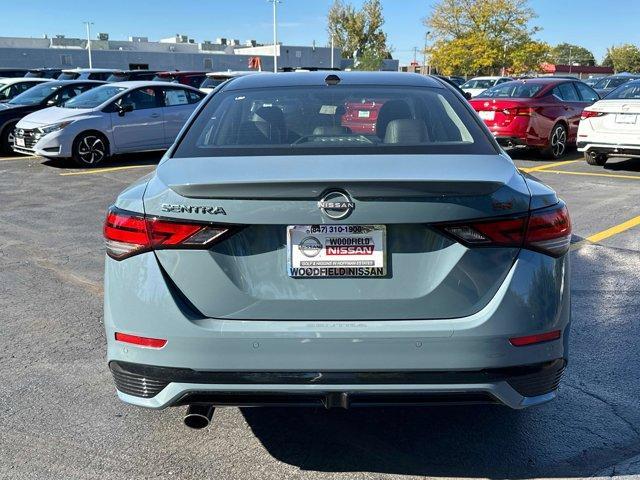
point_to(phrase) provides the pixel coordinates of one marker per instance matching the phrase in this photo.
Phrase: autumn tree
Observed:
(567, 53)
(624, 58)
(358, 33)
(484, 36)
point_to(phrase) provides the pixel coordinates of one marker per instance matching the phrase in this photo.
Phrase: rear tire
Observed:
(7, 138)
(90, 149)
(557, 142)
(593, 158)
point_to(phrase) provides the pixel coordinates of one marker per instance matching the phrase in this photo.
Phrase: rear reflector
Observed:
(128, 233)
(589, 114)
(141, 341)
(547, 230)
(533, 339)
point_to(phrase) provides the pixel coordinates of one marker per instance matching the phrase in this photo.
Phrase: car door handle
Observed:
(155, 115)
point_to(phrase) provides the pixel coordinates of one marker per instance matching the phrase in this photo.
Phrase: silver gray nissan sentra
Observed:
(336, 239)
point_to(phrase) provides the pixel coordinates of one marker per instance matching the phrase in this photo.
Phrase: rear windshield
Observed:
(629, 90)
(164, 78)
(512, 90)
(213, 82)
(118, 77)
(333, 120)
(477, 83)
(94, 97)
(612, 82)
(68, 76)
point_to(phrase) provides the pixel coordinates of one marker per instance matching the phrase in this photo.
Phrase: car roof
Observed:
(546, 80)
(292, 79)
(181, 72)
(488, 77)
(120, 72)
(12, 80)
(77, 82)
(90, 70)
(150, 83)
(232, 73)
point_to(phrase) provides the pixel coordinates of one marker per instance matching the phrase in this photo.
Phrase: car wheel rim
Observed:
(91, 149)
(558, 141)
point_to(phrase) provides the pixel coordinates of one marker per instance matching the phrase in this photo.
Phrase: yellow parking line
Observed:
(610, 232)
(548, 165)
(22, 157)
(590, 174)
(103, 170)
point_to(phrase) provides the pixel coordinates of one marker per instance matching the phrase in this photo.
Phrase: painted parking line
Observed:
(21, 157)
(547, 165)
(104, 170)
(609, 232)
(591, 174)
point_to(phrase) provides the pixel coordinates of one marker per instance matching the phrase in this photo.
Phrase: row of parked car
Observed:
(551, 113)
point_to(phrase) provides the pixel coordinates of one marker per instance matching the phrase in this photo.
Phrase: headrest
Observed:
(406, 131)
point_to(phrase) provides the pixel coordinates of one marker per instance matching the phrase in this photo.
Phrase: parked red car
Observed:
(543, 113)
(191, 78)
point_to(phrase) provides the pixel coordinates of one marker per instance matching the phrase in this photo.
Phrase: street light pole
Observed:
(88, 25)
(275, 34)
(332, 44)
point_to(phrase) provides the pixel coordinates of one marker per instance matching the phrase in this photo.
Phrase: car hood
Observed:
(52, 115)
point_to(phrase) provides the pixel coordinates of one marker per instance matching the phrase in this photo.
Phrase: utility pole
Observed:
(275, 34)
(332, 45)
(88, 25)
(426, 69)
(570, 59)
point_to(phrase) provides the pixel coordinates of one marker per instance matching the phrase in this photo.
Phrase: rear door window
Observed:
(566, 92)
(587, 94)
(175, 96)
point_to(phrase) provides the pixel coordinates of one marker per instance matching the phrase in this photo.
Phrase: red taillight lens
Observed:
(533, 339)
(128, 233)
(141, 341)
(519, 111)
(547, 230)
(589, 114)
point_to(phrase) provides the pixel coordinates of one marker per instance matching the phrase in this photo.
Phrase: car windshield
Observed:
(479, 83)
(35, 95)
(340, 120)
(118, 77)
(94, 97)
(512, 90)
(630, 90)
(213, 82)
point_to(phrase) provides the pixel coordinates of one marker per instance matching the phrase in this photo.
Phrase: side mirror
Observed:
(467, 95)
(122, 109)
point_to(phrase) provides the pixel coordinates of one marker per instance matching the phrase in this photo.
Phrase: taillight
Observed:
(547, 230)
(128, 233)
(519, 111)
(590, 114)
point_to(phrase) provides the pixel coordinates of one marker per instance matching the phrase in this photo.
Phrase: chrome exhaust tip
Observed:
(198, 416)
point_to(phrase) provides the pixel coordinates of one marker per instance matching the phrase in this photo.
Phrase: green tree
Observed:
(358, 33)
(566, 53)
(625, 58)
(496, 33)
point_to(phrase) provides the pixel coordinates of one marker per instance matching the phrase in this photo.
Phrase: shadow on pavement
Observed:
(623, 164)
(592, 425)
(144, 158)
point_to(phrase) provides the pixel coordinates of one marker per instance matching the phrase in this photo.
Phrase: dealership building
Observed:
(174, 53)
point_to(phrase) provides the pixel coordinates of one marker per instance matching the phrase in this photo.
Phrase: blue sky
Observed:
(595, 24)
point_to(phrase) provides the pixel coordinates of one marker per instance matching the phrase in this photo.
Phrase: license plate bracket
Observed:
(336, 251)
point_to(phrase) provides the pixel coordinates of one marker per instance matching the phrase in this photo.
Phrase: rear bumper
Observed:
(457, 356)
(158, 387)
(622, 150)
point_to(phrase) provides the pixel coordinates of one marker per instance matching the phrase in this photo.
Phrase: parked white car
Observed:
(611, 126)
(12, 87)
(477, 85)
(217, 78)
(87, 73)
(107, 120)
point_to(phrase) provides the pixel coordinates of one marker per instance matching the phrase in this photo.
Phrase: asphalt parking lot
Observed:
(60, 418)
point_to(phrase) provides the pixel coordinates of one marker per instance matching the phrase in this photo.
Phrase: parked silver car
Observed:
(110, 119)
(277, 257)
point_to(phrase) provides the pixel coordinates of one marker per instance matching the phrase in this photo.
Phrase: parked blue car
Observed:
(276, 257)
